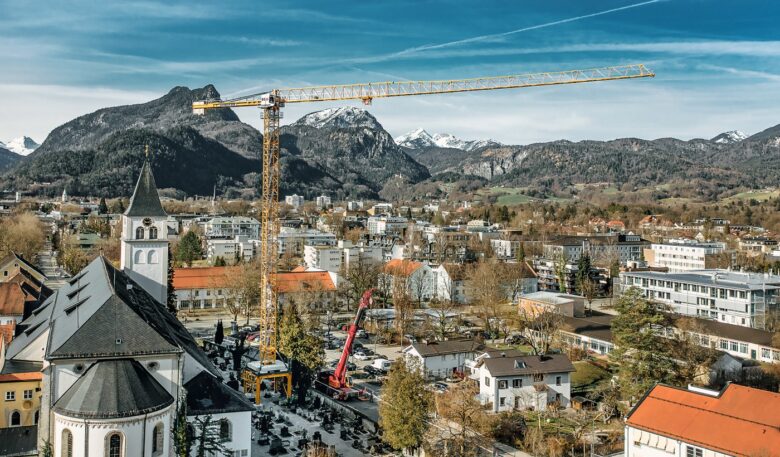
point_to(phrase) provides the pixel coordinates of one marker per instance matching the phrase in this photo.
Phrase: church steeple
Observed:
(145, 200)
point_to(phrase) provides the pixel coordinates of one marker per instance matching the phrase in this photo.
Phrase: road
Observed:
(47, 262)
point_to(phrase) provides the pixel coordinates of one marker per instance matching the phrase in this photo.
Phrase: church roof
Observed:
(145, 200)
(102, 312)
(208, 395)
(112, 389)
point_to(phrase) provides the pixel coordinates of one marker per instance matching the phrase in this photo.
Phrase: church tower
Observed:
(144, 238)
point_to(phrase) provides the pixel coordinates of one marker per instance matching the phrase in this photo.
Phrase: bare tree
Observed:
(463, 424)
(542, 326)
(488, 293)
(442, 321)
(242, 289)
(588, 290)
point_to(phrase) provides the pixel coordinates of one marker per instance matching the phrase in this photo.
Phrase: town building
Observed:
(547, 273)
(508, 381)
(756, 245)
(453, 281)
(232, 250)
(323, 201)
(681, 255)
(327, 258)
(315, 289)
(728, 296)
(697, 422)
(416, 278)
(592, 334)
(354, 255)
(20, 395)
(296, 201)
(442, 359)
(605, 248)
(387, 225)
(231, 227)
(534, 303)
(353, 205)
(292, 241)
(203, 288)
(380, 208)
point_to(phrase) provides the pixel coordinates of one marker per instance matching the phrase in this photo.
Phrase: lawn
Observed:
(587, 375)
(759, 195)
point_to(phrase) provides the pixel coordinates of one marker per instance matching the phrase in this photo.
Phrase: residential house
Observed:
(20, 393)
(592, 334)
(727, 296)
(756, 245)
(292, 241)
(387, 225)
(696, 422)
(416, 278)
(508, 381)
(681, 255)
(547, 274)
(606, 248)
(323, 201)
(453, 281)
(294, 200)
(442, 359)
(202, 288)
(313, 288)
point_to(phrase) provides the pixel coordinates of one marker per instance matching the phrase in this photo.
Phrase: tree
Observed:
(220, 262)
(488, 292)
(404, 410)
(23, 234)
(642, 355)
(361, 276)
(72, 258)
(102, 206)
(181, 434)
(302, 348)
(465, 422)
(170, 299)
(583, 271)
(208, 438)
(588, 290)
(560, 271)
(241, 286)
(520, 254)
(543, 326)
(443, 322)
(693, 358)
(189, 248)
(219, 333)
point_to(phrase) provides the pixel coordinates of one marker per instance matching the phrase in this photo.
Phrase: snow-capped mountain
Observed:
(733, 136)
(343, 117)
(421, 139)
(23, 145)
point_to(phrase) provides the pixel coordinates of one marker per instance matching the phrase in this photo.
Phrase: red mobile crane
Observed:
(337, 379)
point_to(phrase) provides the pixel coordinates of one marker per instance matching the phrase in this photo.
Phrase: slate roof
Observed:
(19, 441)
(207, 395)
(102, 312)
(598, 326)
(145, 200)
(529, 364)
(20, 366)
(112, 389)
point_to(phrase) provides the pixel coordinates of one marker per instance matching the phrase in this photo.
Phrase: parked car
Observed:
(440, 387)
(410, 339)
(361, 334)
(360, 355)
(371, 370)
(381, 364)
(515, 339)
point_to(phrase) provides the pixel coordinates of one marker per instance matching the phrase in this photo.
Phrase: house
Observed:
(314, 288)
(508, 382)
(696, 422)
(680, 255)
(757, 245)
(452, 281)
(292, 241)
(441, 359)
(387, 225)
(202, 288)
(728, 296)
(415, 277)
(20, 394)
(592, 334)
(606, 248)
(294, 200)
(327, 258)
(547, 276)
(118, 364)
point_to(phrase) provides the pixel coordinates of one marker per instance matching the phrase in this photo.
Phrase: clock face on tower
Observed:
(147, 222)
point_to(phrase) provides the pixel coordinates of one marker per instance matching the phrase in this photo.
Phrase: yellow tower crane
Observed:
(273, 101)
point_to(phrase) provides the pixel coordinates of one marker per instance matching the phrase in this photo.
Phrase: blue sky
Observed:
(718, 62)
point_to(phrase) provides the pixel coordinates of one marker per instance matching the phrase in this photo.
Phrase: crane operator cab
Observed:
(270, 99)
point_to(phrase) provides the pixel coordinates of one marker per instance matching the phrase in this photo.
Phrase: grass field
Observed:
(760, 195)
(587, 374)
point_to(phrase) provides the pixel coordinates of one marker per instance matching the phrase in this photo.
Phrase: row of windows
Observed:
(518, 382)
(11, 395)
(15, 418)
(115, 445)
(713, 291)
(140, 232)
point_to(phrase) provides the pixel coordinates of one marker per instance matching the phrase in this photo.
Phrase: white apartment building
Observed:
(296, 201)
(231, 227)
(381, 208)
(230, 250)
(622, 248)
(386, 225)
(509, 381)
(323, 201)
(684, 255)
(326, 258)
(440, 359)
(355, 255)
(354, 205)
(727, 296)
(293, 240)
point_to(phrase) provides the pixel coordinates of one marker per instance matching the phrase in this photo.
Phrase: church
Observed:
(116, 365)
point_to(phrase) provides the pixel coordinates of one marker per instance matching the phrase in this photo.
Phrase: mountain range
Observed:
(346, 153)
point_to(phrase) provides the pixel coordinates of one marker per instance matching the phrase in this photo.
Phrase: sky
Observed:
(717, 61)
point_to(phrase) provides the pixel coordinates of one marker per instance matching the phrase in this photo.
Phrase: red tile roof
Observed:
(31, 376)
(12, 299)
(202, 278)
(741, 421)
(303, 281)
(401, 267)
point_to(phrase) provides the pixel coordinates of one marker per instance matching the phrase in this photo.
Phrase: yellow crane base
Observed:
(253, 382)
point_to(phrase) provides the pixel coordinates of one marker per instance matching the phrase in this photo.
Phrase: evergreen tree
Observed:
(102, 206)
(189, 248)
(520, 254)
(404, 411)
(219, 334)
(171, 298)
(302, 348)
(181, 434)
(583, 271)
(220, 262)
(644, 358)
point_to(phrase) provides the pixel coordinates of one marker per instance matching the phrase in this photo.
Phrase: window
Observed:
(158, 439)
(28, 394)
(67, 444)
(517, 383)
(114, 445)
(743, 348)
(557, 380)
(153, 233)
(224, 430)
(139, 233)
(36, 417)
(734, 346)
(502, 384)
(691, 451)
(487, 381)
(10, 396)
(765, 353)
(502, 401)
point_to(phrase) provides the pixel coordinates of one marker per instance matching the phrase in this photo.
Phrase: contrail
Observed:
(524, 29)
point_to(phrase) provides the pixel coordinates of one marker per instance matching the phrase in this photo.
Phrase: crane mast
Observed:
(273, 101)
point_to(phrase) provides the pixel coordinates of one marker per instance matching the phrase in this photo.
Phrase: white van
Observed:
(381, 364)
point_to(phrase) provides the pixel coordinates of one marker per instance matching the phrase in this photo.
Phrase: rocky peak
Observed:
(341, 118)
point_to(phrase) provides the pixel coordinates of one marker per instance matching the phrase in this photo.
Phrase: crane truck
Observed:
(336, 382)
